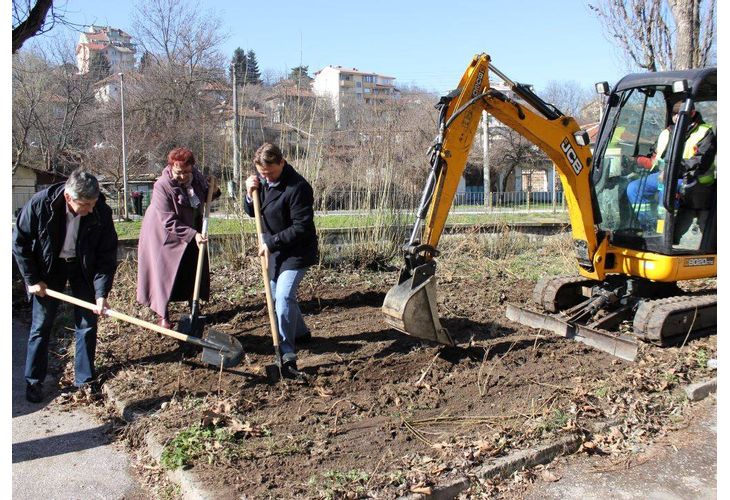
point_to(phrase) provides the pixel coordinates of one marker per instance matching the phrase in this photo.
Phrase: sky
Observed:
(424, 43)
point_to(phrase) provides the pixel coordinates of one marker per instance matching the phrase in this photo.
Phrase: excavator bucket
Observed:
(410, 306)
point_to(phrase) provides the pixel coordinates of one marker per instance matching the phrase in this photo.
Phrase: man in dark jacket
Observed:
(65, 233)
(289, 241)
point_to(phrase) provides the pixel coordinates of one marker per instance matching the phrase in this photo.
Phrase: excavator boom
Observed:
(410, 306)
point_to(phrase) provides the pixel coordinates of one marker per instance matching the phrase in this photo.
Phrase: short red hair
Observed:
(183, 155)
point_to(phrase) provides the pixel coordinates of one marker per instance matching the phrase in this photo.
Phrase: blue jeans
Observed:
(643, 190)
(288, 314)
(642, 194)
(43, 315)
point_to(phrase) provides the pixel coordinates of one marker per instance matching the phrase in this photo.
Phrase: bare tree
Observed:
(29, 21)
(661, 35)
(509, 150)
(51, 109)
(171, 102)
(31, 96)
(568, 96)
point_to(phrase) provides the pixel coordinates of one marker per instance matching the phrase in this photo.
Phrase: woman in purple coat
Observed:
(170, 235)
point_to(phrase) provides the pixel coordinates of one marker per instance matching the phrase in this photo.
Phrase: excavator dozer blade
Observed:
(619, 345)
(410, 306)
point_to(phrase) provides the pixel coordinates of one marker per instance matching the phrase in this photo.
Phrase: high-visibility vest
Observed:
(689, 150)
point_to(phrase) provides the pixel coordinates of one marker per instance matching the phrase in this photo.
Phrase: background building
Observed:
(349, 85)
(113, 43)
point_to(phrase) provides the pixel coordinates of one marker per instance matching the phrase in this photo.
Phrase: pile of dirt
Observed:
(383, 414)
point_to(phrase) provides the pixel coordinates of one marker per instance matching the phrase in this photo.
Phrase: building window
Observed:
(358, 84)
(368, 78)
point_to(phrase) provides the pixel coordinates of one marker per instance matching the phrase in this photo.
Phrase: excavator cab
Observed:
(650, 196)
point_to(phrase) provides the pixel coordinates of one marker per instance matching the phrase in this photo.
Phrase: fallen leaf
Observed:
(324, 393)
(549, 477)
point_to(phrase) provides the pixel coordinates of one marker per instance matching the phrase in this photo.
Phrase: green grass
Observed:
(556, 421)
(191, 444)
(701, 357)
(338, 484)
(128, 230)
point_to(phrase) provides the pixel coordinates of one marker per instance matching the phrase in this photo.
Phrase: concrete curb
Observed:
(700, 390)
(504, 466)
(191, 487)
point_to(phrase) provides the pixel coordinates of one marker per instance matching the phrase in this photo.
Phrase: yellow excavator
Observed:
(638, 227)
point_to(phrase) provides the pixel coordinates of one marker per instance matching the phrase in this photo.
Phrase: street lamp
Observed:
(236, 148)
(124, 147)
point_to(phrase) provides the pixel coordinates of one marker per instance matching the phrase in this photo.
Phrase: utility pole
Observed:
(124, 147)
(485, 161)
(236, 153)
(555, 185)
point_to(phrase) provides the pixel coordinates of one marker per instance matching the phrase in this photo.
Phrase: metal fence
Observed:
(360, 201)
(340, 201)
(510, 201)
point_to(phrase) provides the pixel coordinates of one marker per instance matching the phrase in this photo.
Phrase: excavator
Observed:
(631, 251)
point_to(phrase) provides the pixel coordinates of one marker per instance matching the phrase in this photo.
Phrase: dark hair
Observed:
(183, 155)
(82, 185)
(268, 153)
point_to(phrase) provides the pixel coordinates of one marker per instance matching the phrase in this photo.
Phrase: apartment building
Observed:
(350, 85)
(113, 43)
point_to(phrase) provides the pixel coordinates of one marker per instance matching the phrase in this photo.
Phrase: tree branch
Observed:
(32, 24)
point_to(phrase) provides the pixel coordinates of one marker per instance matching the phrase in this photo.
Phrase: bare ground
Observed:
(385, 414)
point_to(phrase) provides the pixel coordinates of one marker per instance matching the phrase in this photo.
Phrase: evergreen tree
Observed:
(238, 64)
(253, 75)
(145, 62)
(300, 73)
(99, 67)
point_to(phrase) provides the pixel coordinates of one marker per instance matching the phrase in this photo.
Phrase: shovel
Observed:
(219, 349)
(273, 372)
(193, 324)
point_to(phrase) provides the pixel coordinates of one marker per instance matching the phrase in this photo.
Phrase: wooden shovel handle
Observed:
(202, 247)
(265, 271)
(117, 315)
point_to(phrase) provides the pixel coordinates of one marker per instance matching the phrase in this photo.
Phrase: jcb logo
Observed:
(699, 261)
(571, 156)
(478, 85)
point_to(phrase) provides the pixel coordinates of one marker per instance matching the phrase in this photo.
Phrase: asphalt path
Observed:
(61, 453)
(682, 466)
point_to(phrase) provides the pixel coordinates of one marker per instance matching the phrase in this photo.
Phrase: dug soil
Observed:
(383, 414)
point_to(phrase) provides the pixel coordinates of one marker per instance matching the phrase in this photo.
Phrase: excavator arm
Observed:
(410, 306)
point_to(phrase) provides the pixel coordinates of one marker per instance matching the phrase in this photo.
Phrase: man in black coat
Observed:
(289, 241)
(65, 233)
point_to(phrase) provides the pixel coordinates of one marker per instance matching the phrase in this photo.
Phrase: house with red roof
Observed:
(113, 43)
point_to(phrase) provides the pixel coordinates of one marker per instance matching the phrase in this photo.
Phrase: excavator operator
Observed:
(697, 179)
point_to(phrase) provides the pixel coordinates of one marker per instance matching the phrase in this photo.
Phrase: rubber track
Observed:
(653, 320)
(547, 290)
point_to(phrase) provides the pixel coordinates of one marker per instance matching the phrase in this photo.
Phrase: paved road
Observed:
(62, 454)
(684, 466)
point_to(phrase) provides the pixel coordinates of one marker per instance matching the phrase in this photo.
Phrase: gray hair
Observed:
(82, 185)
